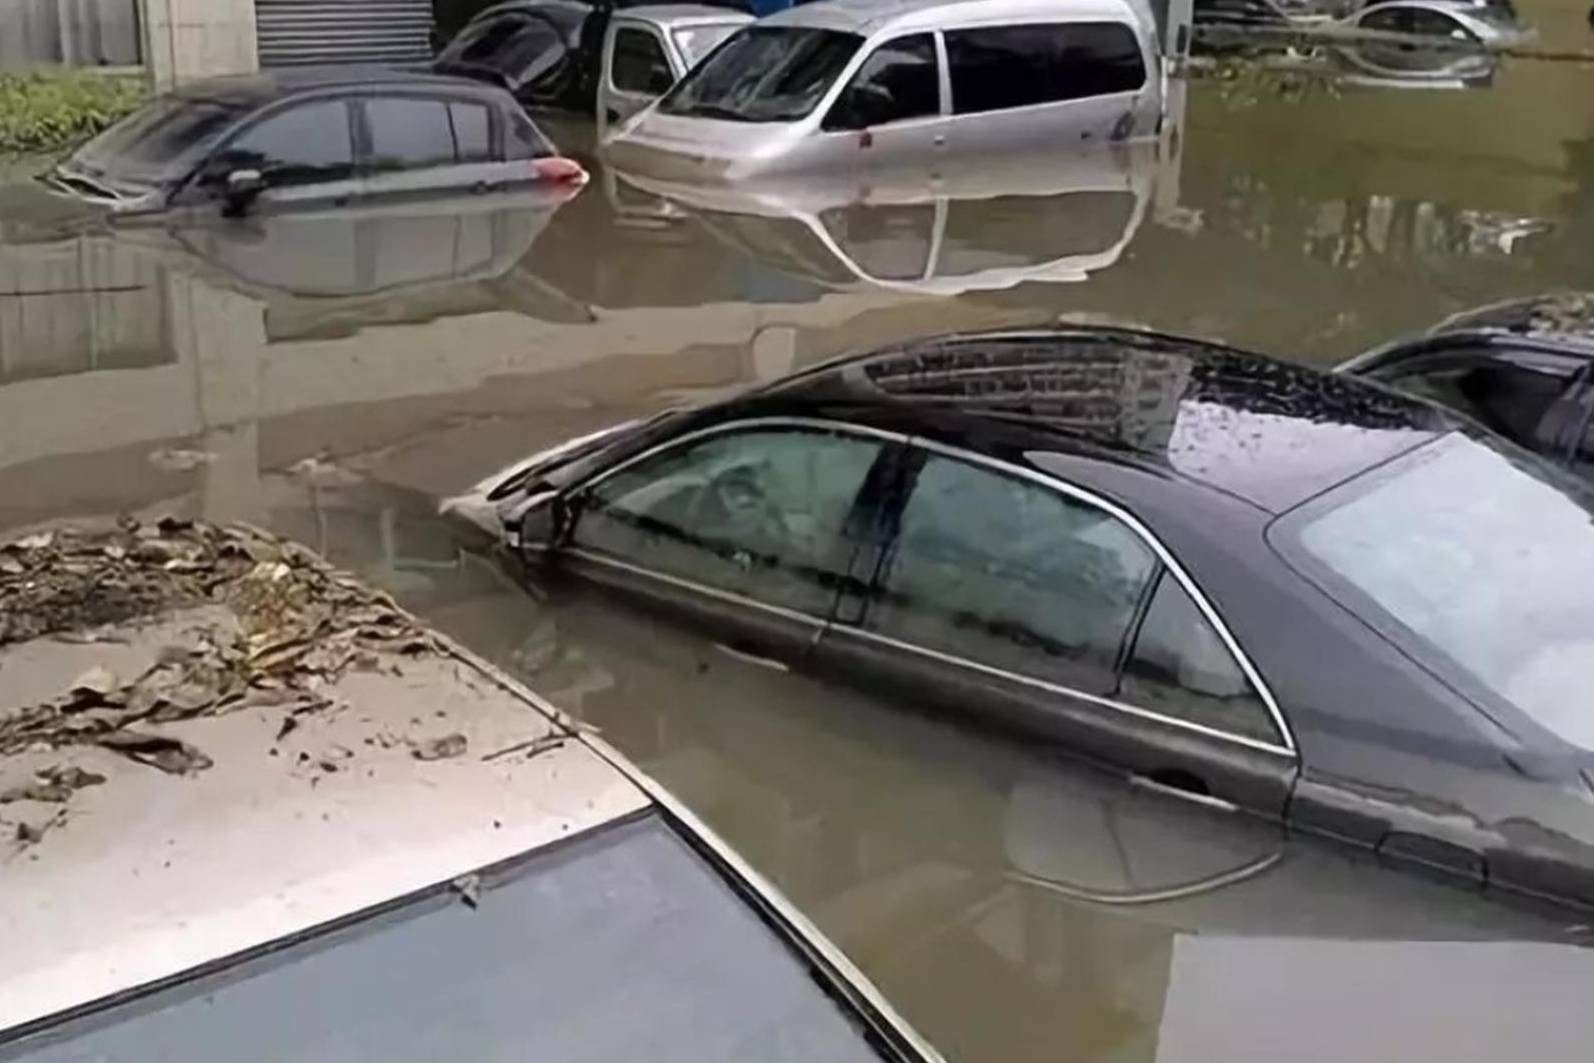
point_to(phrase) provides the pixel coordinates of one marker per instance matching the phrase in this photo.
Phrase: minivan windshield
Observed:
(764, 74)
(1483, 561)
(158, 143)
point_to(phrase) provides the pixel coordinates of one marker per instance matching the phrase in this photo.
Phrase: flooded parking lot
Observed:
(333, 376)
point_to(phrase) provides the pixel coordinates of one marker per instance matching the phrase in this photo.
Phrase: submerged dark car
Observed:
(1243, 582)
(311, 137)
(1523, 368)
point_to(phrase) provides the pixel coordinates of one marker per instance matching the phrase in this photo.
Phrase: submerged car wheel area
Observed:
(1246, 583)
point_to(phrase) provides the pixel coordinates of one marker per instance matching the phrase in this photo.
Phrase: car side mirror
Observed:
(543, 524)
(240, 188)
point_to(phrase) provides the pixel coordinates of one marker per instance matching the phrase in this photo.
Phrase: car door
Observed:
(426, 145)
(1062, 84)
(636, 71)
(303, 152)
(1010, 598)
(743, 527)
(891, 112)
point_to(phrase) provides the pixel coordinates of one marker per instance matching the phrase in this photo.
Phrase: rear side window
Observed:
(898, 81)
(409, 133)
(1181, 668)
(997, 68)
(524, 140)
(640, 64)
(1011, 574)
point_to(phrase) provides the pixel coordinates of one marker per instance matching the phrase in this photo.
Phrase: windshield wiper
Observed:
(713, 110)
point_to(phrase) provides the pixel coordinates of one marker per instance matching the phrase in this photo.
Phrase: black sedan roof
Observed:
(1253, 428)
(248, 91)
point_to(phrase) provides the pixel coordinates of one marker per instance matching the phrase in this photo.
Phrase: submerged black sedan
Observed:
(1245, 583)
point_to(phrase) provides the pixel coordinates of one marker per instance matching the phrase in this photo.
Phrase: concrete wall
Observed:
(185, 40)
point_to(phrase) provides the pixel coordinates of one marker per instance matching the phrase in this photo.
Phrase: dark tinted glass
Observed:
(898, 81)
(885, 242)
(1011, 574)
(758, 513)
(1006, 232)
(1181, 668)
(524, 140)
(472, 131)
(640, 64)
(764, 74)
(1512, 399)
(409, 133)
(999, 67)
(620, 945)
(305, 143)
(159, 142)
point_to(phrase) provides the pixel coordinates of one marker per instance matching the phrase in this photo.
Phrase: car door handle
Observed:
(1145, 782)
(940, 140)
(752, 658)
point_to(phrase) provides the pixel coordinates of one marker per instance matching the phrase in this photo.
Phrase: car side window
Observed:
(1011, 574)
(473, 138)
(1181, 667)
(640, 64)
(523, 140)
(996, 68)
(1512, 399)
(900, 80)
(409, 133)
(301, 145)
(760, 512)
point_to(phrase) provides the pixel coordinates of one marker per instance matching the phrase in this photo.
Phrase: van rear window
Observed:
(996, 68)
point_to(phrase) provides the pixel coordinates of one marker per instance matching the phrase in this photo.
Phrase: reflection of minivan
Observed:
(859, 83)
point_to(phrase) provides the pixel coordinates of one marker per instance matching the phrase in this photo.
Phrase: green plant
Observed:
(48, 109)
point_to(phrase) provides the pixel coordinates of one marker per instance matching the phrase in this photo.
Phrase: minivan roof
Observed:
(866, 17)
(669, 16)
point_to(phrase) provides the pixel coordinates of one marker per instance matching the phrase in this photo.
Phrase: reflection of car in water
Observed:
(1239, 580)
(850, 83)
(1524, 368)
(296, 139)
(335, 270)
(956, 224)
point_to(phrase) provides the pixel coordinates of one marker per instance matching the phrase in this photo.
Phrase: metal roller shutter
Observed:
(303, 32)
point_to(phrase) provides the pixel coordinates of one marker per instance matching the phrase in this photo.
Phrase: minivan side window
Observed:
(301, 145)
(409, 133)
(1011, 574)
(640, 64)
(899, 80)
(760, 513)
(1180, 667)
(995, 68)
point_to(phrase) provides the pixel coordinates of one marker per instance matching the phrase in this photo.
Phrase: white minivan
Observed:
(866, 83)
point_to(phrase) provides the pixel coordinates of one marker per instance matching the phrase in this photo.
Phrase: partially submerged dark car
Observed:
(1523, 369)
(1245, 583)
(312, 136)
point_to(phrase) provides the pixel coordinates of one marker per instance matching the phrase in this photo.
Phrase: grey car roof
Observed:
(865, 17)
(666, 16)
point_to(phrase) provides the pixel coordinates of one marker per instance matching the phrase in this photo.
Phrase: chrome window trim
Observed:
(1286, 744)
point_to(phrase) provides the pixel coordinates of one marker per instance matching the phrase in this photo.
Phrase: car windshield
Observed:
(697, 41)
(764, 74)
(158, 143)
(1483, 562)
(621, 944)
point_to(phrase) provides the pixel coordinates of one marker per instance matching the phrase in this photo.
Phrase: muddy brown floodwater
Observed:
(332, 377)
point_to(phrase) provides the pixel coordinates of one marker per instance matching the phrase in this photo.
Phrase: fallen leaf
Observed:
(444, 748)
(158, 751)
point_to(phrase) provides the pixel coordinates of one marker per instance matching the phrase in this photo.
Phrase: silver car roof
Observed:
(673, 16)
(866, 17)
